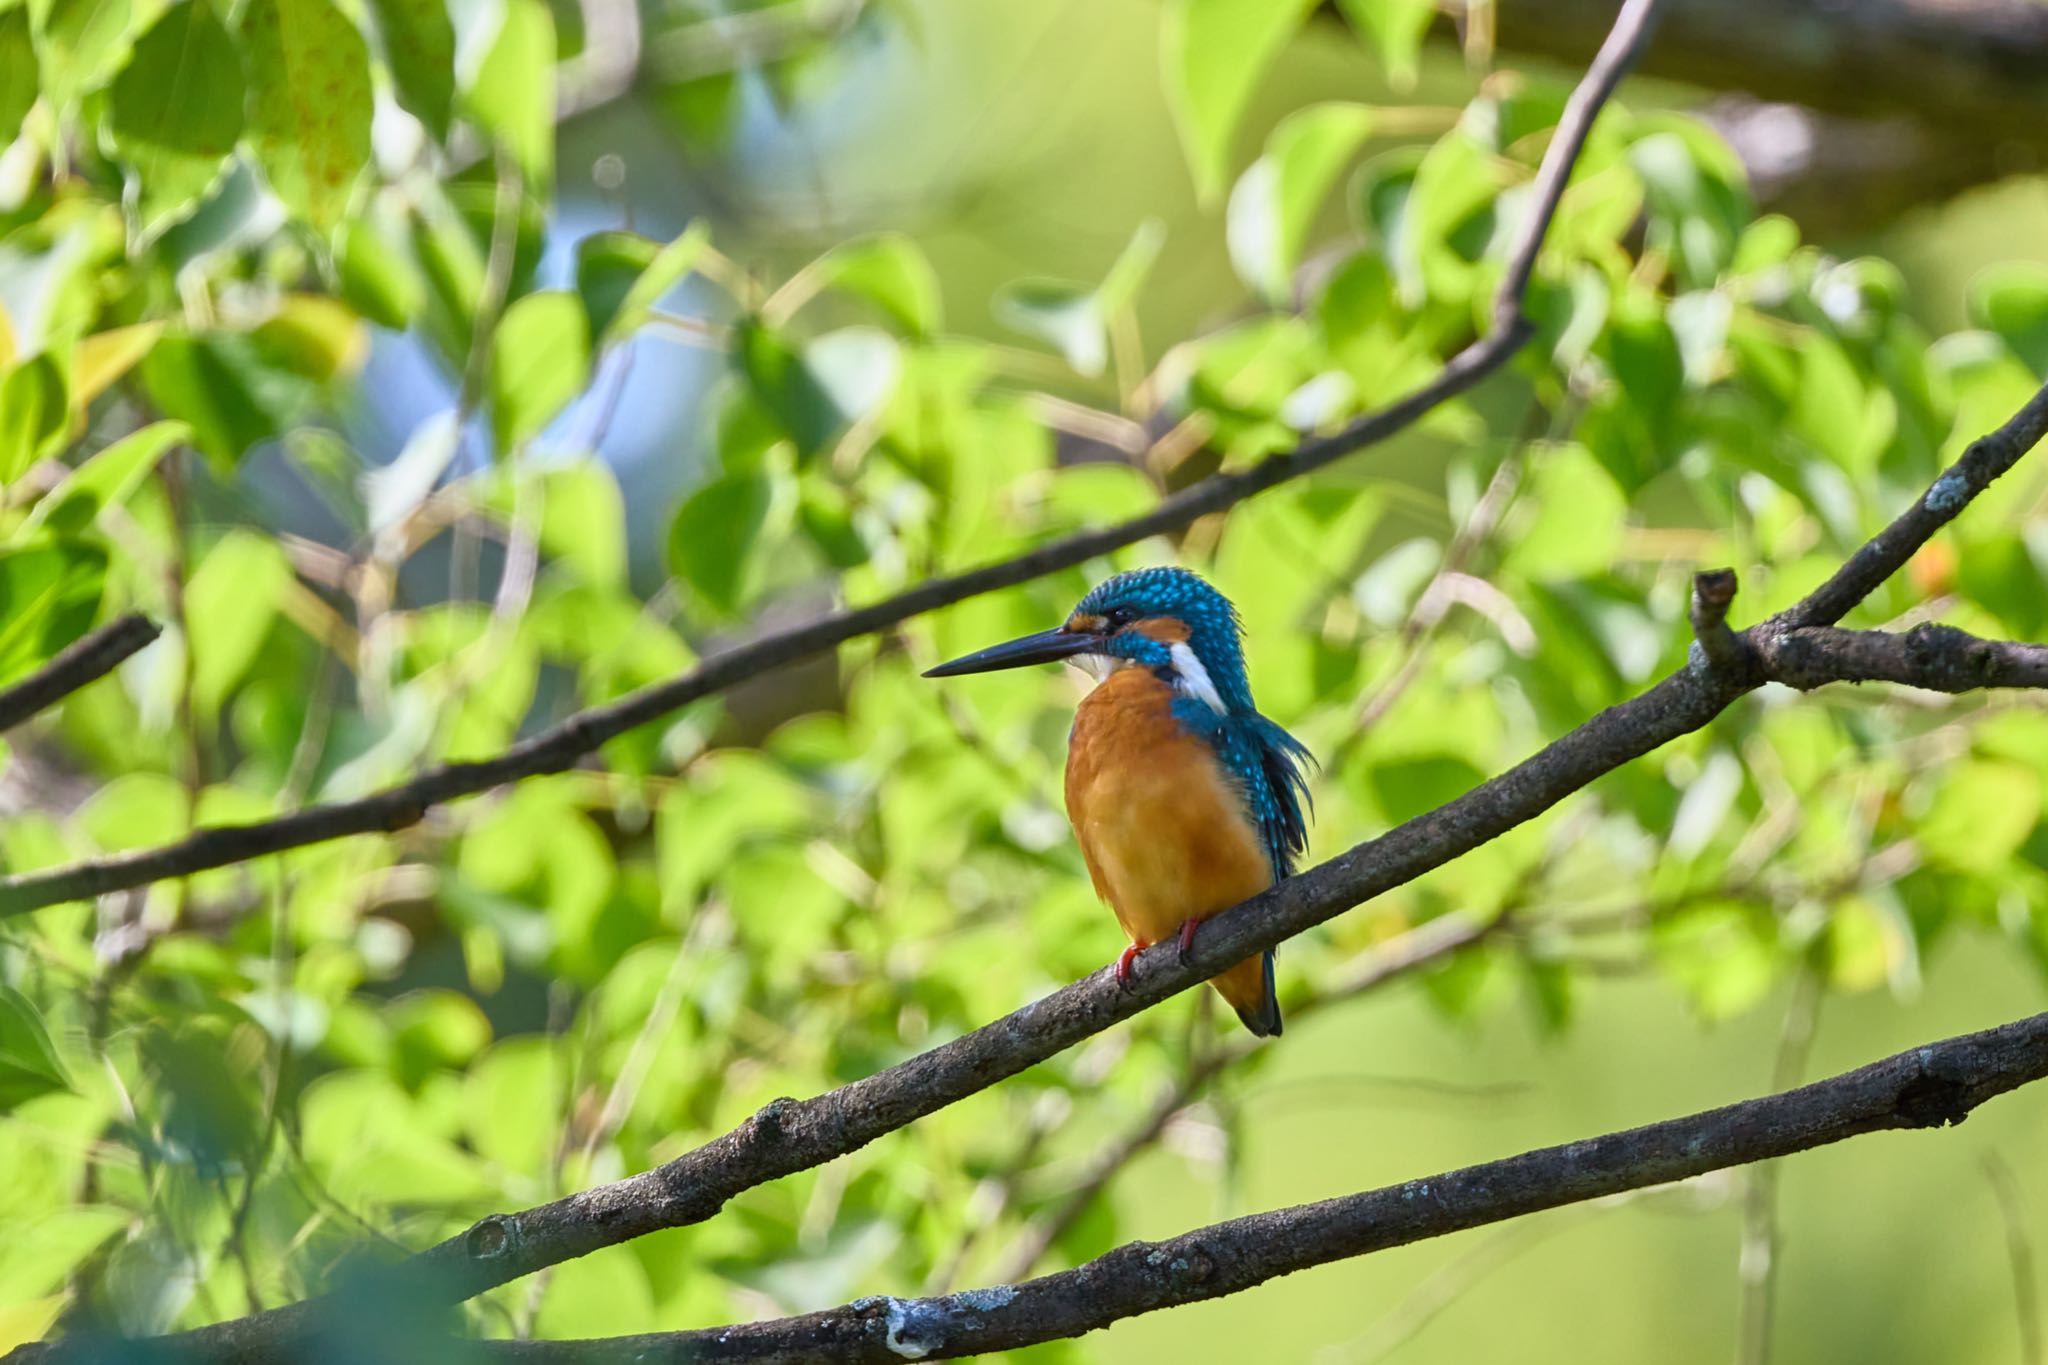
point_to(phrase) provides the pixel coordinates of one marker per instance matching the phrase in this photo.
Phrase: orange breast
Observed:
(1167, 838)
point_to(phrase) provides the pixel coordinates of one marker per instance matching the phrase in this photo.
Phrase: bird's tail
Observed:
(1248, 987)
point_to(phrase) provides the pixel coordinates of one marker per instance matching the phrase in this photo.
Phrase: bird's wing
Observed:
(1268, 766)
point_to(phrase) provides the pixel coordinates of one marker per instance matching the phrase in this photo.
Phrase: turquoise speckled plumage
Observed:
(1184, 798)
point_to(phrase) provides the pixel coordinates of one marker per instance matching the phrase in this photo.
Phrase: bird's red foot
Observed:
(1187, 938)
(1123, 963)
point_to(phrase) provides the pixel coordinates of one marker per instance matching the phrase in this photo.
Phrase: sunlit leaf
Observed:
(714, 543)
(230, 601)
(175, 111)
(1983, 810)
(1213, 53)
(104, 357)
(419, 43)
(622, 275)
(1395, 28)
(219, 386)
(79, 45)
(511, 93)
(2011, 299)
(891, 272)
(34, 414)
(309, 103)
(1276, 200)
(105, 480)
(540, 359)
(377, 280)
(49, 593)
(28, 1062)
(17, 73)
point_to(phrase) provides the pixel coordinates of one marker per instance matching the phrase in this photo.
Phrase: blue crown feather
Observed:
(1268, 765)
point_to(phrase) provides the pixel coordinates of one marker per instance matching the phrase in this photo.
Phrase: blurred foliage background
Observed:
(433, 371)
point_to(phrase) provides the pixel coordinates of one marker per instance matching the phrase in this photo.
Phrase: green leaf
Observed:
(1276, 200)
(2011, 299)
(540, 359)
(891, 272)
(18, 78)
(28, 1062)
(1697, 198)
(622, 275)
(49, 594)
(312, 336)
(309, 103)
(1395, 28)
(511, 94)
(230, 601)
(1065, 315)
(419, 46)
(376, 278)
(786, 388)
(1982, 812)
(34, 414)
(583, 523)
(104, 480)
(181, 91)
(1569, 524)
(218, 385)
(79, 45)
(434, 1029)
(1721, 955)
(1214, 52)
(714, 542)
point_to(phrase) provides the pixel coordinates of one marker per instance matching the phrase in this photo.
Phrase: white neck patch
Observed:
(1190, 679)
(1193, 679)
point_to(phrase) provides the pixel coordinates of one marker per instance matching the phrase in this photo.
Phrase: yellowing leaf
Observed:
(309, 103)
(104, 357)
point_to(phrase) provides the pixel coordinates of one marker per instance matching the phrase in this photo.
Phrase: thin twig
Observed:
(2026, 1292)
(85, 660)
(1757, 1272)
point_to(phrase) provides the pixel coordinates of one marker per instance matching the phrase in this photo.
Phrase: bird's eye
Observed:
(1119, 617)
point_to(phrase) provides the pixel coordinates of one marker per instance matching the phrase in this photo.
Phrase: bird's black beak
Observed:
(1048, 646)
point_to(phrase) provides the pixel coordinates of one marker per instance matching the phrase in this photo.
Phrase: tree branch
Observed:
(1887, 552)
(1926, 1087)
(1938, 658)
(787, 1135)
(87, 659)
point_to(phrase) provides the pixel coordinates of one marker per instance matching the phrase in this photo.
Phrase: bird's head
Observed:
(1167, 620)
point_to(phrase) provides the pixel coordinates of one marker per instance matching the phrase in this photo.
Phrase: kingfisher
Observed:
(1185, 800)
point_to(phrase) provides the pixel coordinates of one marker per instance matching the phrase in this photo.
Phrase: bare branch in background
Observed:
(1850, 113)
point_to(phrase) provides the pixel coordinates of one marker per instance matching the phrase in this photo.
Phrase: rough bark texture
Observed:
(1928, 1087)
